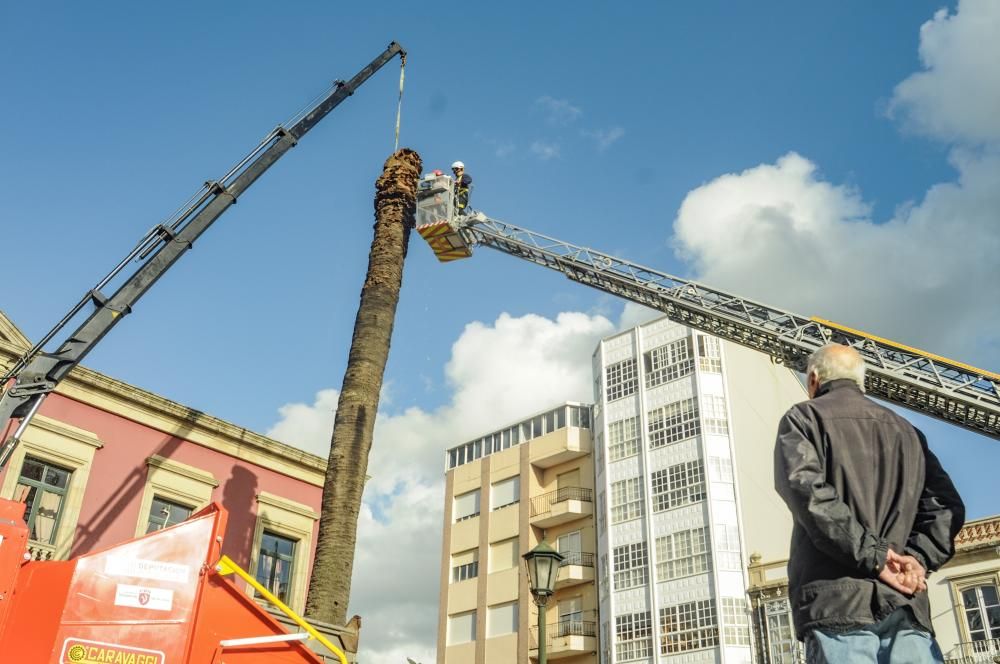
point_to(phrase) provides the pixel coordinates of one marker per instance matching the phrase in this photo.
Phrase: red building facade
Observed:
(104, 461)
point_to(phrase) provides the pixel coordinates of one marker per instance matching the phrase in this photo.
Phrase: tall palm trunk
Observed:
(395, 204)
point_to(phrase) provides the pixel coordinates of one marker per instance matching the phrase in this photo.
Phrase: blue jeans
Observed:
(895, 640)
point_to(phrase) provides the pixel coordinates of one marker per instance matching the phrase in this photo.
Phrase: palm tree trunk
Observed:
(395, 204)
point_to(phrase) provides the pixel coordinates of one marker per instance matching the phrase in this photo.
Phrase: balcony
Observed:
(577, 568)
(974, 652)
(567, 638)
(561, 506)
(39, 551)
(559, 447)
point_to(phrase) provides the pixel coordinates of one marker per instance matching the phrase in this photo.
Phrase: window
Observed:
(682, 554)
(626, 500)
(605, 642)
(570, 616)
(728, 547)
(720, 469)
(604, 574)
(467, 505)
(42, 488)
(275, 560)
(464, 565)
(668, 362)
(570, 546)
(623, 438)
(59, 446)
(503, 555)
(709, 354)
(506, 492)
(501, 619)
(579, 416)
(716, 418)
(164, 513)
(599, 451)
(673, 423)
(688, 626)
(279, 517)
(172, 493)
(631, 565)
(782, 645)
(602, 507)
(632, 636)
(462, 628)
(678, 485)
(982, 612)
(735, 622)
(623, 379)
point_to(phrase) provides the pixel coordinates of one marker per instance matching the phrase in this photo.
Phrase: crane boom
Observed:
(38, 372)
(923, 382)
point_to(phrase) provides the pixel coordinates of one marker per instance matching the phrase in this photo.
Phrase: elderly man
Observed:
(874, 513)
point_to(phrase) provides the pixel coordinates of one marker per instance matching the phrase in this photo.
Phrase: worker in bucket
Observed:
(462, 185)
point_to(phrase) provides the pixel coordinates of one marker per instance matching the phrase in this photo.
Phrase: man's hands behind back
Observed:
(903, 573)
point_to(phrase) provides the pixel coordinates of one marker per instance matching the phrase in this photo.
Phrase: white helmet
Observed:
(458, 164)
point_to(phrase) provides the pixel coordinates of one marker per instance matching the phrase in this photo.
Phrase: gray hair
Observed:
(834, 361)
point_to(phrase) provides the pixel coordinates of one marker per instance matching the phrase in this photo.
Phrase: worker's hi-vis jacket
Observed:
(462, 186)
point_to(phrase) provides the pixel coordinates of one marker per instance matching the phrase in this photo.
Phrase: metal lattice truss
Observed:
(920, 381)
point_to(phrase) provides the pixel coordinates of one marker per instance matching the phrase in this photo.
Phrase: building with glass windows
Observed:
(684, 428)
(504, 492)
(104, 462)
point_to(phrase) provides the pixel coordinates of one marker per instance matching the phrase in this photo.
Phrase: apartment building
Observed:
(505, 492)
(684, 431)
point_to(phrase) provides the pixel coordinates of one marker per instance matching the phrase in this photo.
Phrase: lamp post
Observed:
(543, 566)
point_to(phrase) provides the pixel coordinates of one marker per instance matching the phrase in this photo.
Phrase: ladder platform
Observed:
(445, 241)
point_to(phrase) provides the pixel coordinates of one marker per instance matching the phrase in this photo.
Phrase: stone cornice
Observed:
(120, 398)
(287, 505)
(156, 461)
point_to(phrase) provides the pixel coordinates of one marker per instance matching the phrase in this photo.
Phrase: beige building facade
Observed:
(505, 492)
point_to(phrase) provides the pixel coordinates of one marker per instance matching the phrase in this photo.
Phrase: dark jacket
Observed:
(859, 480)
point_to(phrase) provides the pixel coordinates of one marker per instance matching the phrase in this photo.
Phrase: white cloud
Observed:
(308, 427)
(497, 374)
(604, 138)
(501, 148)
(956, 96)
(545, 150)
(634, 314)
(559, 112)
(781, 234)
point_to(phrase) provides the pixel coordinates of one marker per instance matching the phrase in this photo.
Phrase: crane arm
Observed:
(38, 372)
(923, 382)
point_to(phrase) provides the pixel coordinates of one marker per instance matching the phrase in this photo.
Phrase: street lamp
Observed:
(543, 566)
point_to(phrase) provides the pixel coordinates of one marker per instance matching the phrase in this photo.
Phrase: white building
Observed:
(684, 431)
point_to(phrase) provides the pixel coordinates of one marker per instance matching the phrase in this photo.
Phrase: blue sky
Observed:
(589, 122)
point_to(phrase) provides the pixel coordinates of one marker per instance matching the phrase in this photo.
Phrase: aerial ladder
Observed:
(920, 381)
(166, 597)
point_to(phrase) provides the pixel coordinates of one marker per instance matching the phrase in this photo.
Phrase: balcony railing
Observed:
(580, 558)
(543, 504)
(41, 551)
(567, 627)
(975, 652)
